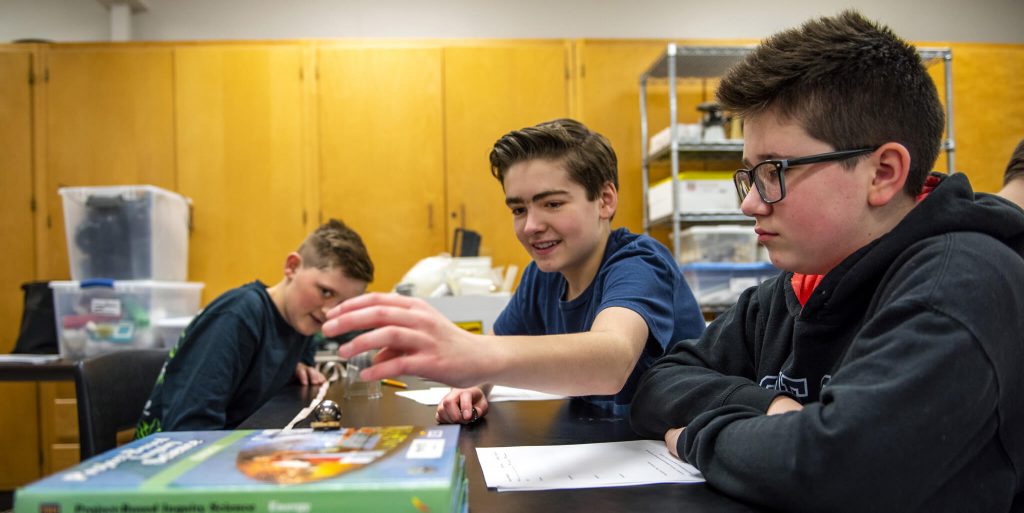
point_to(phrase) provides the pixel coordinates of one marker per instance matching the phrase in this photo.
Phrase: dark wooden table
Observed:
(510, 424)
(58, 370)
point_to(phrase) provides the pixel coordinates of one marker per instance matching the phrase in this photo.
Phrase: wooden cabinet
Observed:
(15, 185)
(19, 434)
(58, 421)
(108, 120)
(20, 461)
(609, 103)
(489, 91)
(239, 145)
(382, 167)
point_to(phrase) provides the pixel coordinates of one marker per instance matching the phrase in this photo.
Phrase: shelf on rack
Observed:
(704, 218)
(703, 151)
(700, 61)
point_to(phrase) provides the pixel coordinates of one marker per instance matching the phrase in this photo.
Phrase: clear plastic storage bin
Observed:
(130, 232)
(720, 284)
(724, 243)
(98, 316)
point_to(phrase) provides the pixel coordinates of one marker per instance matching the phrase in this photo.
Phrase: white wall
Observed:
(998, 21)
(57, 20)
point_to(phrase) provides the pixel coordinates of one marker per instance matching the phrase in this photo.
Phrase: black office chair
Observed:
(112, 389)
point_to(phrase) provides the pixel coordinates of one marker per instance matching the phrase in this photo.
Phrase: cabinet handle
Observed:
(430, 216)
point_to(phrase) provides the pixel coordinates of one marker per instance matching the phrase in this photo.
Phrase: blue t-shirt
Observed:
(638, 273)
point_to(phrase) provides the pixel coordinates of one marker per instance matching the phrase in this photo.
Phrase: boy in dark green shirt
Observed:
(251, 341)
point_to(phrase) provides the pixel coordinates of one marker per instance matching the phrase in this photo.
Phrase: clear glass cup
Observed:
(356, 387)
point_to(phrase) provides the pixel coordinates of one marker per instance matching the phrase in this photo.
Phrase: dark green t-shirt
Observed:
(232, 358)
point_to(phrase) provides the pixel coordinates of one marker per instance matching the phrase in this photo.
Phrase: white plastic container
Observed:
(98, 316)
(130, 232)
(699, 192)
(722, 243)
(169, 329)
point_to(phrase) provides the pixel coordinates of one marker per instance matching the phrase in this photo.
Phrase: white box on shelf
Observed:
(721, 243)
(98, 316)
(688, 133)
(698, 192)
(127, 232)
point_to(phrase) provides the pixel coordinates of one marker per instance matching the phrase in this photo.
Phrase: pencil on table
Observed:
(394, 383)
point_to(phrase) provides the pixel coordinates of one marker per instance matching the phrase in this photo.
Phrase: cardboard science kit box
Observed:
(369, 469)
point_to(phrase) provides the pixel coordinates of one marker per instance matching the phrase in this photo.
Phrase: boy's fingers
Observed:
(397, 339)
(373, 317)
(373, 299)
(466, 405)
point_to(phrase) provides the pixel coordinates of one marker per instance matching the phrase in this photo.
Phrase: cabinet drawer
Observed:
(65, 421)
(60, 457)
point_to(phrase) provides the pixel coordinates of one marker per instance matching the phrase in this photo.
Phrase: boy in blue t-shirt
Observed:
(253, 340)
(591, 313)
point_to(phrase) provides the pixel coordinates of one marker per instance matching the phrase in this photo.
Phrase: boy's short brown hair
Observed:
(848, 82)
(1015, 167)
(335, 245)
(588, 156)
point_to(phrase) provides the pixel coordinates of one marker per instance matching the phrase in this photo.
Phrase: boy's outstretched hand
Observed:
(308, 375)
(412, 338)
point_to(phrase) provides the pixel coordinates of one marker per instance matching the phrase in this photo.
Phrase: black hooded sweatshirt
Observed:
(908, 359)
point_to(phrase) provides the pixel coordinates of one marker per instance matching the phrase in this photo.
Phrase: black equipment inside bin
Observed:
(114, 237)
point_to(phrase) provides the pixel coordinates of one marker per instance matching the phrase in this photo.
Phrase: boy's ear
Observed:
(892, 165)
(608, 200)
(292, 263)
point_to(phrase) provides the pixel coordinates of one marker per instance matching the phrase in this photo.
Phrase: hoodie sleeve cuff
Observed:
(753, 396)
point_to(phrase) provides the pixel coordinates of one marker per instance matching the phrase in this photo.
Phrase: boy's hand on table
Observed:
(412, 338)
(783, 404)
(672, 439)
(462, 406)
(779, 405)
(308, 375)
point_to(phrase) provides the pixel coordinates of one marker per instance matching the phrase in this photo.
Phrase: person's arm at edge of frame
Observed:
(416, 339)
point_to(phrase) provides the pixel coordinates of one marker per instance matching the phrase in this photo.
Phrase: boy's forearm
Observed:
(575, 364)
(701, 375)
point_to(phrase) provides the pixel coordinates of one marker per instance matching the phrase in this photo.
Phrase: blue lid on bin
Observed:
(765, 267)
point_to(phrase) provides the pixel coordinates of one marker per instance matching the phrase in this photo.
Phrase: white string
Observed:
(332, 370)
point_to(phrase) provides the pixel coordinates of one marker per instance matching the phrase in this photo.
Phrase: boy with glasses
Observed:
(882, 370)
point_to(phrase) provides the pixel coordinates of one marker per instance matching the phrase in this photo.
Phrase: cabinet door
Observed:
(19, 423)
(381, 152)
(15, 187)
(109, 120)
(610, 105)
(490, 91)
(239, 151)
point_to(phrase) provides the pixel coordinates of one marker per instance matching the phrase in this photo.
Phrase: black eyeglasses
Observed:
(768, 176)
